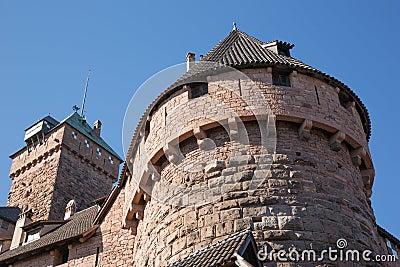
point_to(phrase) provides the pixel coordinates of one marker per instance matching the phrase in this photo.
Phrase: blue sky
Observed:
(47, 47)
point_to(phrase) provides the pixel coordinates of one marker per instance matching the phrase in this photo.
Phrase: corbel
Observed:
(233, 128)
(335, 142)
(357, 155)
(368, 180)
(305, 130)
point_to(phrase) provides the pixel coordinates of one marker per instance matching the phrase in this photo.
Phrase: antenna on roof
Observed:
(84, 96)
(234, 26)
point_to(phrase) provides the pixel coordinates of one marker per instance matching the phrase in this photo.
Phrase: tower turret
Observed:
(316, 184)
(61, 161)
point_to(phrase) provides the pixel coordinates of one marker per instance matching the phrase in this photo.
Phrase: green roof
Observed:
(80, 124)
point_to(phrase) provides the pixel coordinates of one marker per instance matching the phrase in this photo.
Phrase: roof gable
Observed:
(81, 222)
(80, 124)
(239, 48)
(222, 253)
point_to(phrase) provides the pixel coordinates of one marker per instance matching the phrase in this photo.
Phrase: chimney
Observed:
(70, 209)
(19, 234)
(97, 128)
(190, 58)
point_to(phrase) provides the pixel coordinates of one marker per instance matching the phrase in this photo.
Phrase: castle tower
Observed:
(61, 162)
(317, 186)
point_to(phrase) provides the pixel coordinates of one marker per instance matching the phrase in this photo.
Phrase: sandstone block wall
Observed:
(47, 177)
(110, 246)
(314, 193)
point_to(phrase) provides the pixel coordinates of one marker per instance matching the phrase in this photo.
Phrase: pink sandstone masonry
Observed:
(46, 178)
(316, 192)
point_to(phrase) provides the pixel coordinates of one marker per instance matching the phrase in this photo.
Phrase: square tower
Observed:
(60, 162)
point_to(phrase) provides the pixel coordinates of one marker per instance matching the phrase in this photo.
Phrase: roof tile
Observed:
(79, 223)
(217, 254)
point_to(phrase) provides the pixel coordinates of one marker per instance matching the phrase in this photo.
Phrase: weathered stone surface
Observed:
(290, 222)
(310, 196)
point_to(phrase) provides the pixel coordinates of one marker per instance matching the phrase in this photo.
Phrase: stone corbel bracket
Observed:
(335, 142)
(305, 130)
(171, 150)
(357, 156)
(200, 135)
(233, 128)
(368, 180)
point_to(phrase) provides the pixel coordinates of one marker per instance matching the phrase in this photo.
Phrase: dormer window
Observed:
(197, 90)
(279, 47)
(280, 79)
(32, 235)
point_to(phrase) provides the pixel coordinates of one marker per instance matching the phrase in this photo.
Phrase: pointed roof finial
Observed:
(234, 26)
(75, 108)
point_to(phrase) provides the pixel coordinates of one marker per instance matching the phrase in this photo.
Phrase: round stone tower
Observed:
(315, 176)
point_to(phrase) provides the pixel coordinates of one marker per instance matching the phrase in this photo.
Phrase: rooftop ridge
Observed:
(79, 124)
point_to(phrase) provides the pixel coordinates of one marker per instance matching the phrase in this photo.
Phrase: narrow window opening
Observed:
(316, 92)
(87, 143)
(165, 116)
(147, 130)
(97, 257)
(240, 88)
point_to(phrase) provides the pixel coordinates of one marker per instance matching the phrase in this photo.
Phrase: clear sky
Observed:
(47, 47)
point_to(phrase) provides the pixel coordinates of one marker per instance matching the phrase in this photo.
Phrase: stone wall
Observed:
(42, 260)
(47, 177)
(92, 180)
(110, 246)
(33, 185)
(315, 192)
(309, 192)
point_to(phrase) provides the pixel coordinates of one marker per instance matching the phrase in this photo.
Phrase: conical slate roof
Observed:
(240, 50)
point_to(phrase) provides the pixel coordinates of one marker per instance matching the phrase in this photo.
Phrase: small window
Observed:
(74, 135)
(281, 79)
(111, 160)
(98, 151)
(33, 235)
(284, 52)
(392, 249)
(4, 225)
(198, 89)
(47, 124)
(1, 246)
(87, 143)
